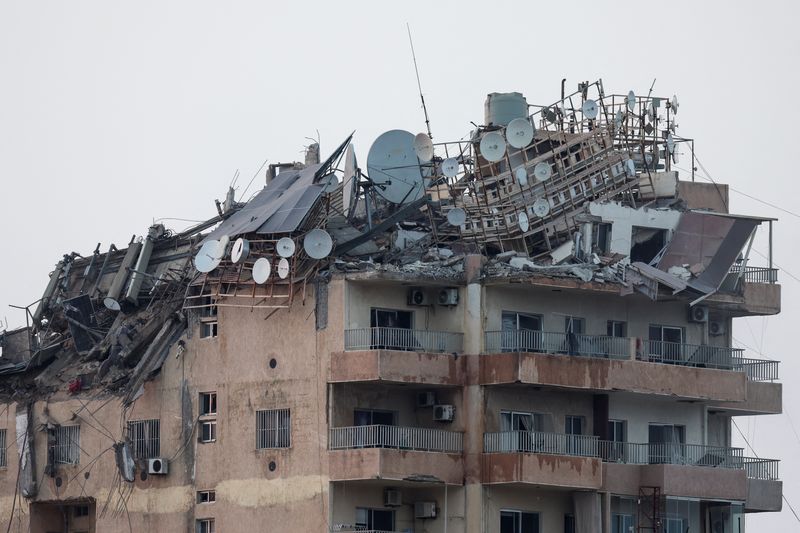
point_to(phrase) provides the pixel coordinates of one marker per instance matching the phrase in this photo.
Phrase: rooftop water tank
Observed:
(502, 108)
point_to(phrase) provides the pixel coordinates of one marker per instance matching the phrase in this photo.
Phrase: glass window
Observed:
(622, 523)
(373, 417)
(208, 403)
(574, 324)
(374, 519)
(204, 526)
(616, 328)
(208, 431)
(519, 522)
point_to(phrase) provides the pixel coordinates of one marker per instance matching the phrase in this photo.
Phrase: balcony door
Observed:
(617, 435)
(573, 428)
(372, 431)
(519, 522)
(521, 332)
(374, 519)
(667, 444)
(519, 428)
(666, 343)
(392, 329)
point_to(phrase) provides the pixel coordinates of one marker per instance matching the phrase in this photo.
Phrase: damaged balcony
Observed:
(395, 453)
(764, 488)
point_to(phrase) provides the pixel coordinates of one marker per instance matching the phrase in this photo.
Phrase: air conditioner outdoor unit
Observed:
(443, 413)
(424, 509)
(448, 296)
(426, 399)
(158, 466)
(716, 328)
(698, 313)
(392, 498)
(417, 296)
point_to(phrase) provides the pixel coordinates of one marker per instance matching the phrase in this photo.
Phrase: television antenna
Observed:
(419, 85)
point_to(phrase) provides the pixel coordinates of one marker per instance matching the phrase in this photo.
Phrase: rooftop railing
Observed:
(766, 469)
(398, 437)
(411, 340)
(526, 340)
(540, 442)
(671, 454)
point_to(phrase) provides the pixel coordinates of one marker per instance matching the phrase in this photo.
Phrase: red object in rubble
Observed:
(75, 385)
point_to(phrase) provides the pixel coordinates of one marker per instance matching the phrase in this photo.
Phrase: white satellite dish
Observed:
(542, 171)
(674, 103)
(630, 167)
(670, 143)
(318, 243)
(618, 118)
(112, 304)
(521, 174)
(207, 259)
(524, 223)
(456, 216)
(423, 147)
(349, 179)
(329, 183)
(394, 167)
(519, 132)
(285, 247)
(283, 268)
(651, 110)
(222, 246)
(493, 146)
(589, 109)
(630, 101)
(675, 157)
(240, 250)
(450, 167)
(261, 270)
(541, 207)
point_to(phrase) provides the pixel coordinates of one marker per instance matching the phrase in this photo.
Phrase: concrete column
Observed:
(605, 506)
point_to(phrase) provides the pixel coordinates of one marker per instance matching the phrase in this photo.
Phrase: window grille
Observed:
(273, 429)
(67, 447)
(145, 437)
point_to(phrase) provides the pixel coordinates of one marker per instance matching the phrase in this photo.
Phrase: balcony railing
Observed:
(671, 453)
(758, 369)
(756, 274)
(540, 442)
(398, 437)
(411, 340)
(526, 340)
(766, 469)
(699, 355)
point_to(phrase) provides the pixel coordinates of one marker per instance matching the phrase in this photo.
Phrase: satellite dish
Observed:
(630, 101)
(349, 179)
(456, 216)
(423, 147)
(651, 110)
(674, 103)
(394, 168)
(618, 118)
(450, 167)
(207, 259)
(261, 270)
(285, 247)
(240, 250)
(630, 168)
(675, 157)
(493, 146)
(521, 174)
(519, 132)
(222, 246)
(670, 143)
(524, 223)
(589, 109)
(542, 171)
(318, 244)
(329, 183)
(541, 207)
(112, 304)
(283, 268)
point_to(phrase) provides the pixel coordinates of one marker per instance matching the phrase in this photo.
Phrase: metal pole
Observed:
(445, 507)
(772, 280)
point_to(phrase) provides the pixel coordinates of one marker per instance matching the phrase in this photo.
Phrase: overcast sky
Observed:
(114, 115)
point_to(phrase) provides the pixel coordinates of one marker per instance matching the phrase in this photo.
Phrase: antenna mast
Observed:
(419, 85)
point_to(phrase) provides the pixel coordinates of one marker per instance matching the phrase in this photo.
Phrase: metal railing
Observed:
(756, 274)
(412, 340)
(766, 469)
(700, 355)
(402, 438)
(671, 453)
(526, 340)
(758, 369)
(540, 442)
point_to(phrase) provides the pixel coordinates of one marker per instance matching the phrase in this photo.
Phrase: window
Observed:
(389, 336)
(622, 523)
(647, 244)
(519, 522)
(145, 437)
(666, 343)
(3, 459)
(273, 429)
(519, 431)
(569, 523)
(206, 525)
(521, 332)
(372, 417)
(208, 329)
(390, 318)
(208, 318)
(67, 445)
(616, 328)
(666, 443)
(574, 324)
(208, 431)
(617, 430)
(574, 428)
(80, 510)
(374, 519)
(208, 403)
(206, 496)
(617, 435)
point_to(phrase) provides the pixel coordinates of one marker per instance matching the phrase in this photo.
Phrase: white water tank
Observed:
(502, 108)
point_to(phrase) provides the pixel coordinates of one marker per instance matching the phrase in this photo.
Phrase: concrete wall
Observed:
(551, 505)
(640, 412)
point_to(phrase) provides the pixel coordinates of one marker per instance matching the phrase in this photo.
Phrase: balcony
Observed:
(750, 274)
(400, 339)
(671, 454)
(598, 346)
(397, 437)
(540, 442)
(764, 490)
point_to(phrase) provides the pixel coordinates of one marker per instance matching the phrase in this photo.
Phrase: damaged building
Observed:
(526, 331)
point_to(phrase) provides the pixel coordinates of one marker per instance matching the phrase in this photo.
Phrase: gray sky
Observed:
(113, 115)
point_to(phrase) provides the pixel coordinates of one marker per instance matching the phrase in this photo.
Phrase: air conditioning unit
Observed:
(698, 313)
(424, 510)
(443, 413)
(417, 296)
(392, 498)
(426, 399)
(448, 296)
(716, 327)
(158, 466)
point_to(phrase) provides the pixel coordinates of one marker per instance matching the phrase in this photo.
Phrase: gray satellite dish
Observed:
(318, 244)
(394, 168)
(283, 268)
(285, 247)
(674, 103)
(207, 259)
(521, 174)
(261, 270)
(329, 183)
(519, 132)
(457, 216)
(112, 304)
(589, 109)
(651, 110)
(450, 167)
(630, 101)
(670, 143)
(541, 207)
(542, 171)
(493, 146)
(524, 223)
(423, 147)
(240, 250)
(630, 167)
(675, 157)
(349, 179)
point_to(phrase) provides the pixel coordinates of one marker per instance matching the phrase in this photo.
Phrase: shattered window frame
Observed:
(67, 445)
(273, 429)
(145, 438)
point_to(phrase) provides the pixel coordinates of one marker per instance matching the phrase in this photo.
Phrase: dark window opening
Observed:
(646, 244)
